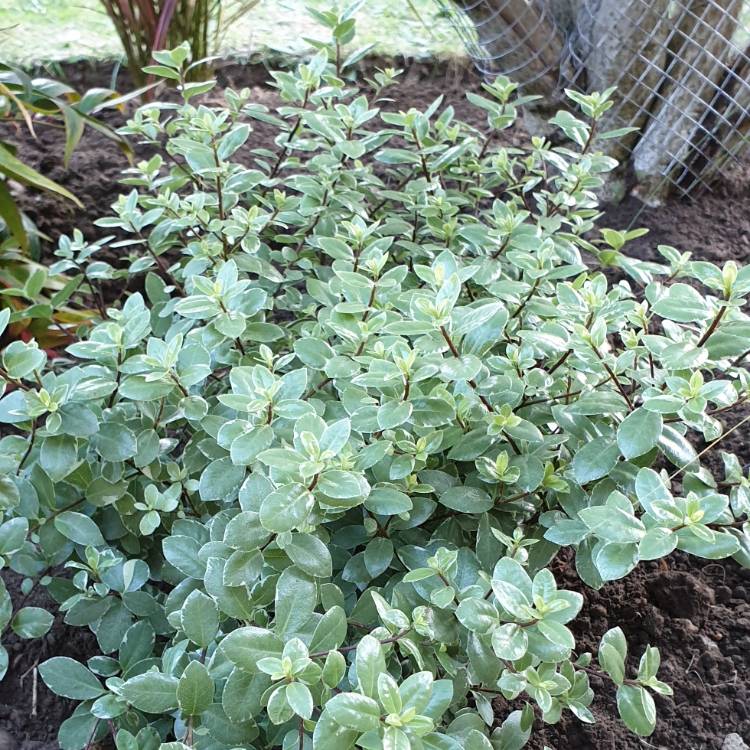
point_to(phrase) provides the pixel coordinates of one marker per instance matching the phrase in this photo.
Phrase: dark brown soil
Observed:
(697, 613)
(30, 712)
(713, 226)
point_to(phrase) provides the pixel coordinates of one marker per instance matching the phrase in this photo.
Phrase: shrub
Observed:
(308, 482)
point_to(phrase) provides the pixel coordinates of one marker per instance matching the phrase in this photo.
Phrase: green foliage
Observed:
(309, 481)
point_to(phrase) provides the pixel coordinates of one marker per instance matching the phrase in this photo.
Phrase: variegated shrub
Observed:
(304, 479)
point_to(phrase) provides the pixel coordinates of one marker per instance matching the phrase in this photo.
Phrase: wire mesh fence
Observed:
(681, 68)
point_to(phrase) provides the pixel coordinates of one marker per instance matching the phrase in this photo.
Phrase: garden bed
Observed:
(697, 613)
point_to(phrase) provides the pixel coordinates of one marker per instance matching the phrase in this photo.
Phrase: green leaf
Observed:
(613, 651)
(11, 216)
(330, 632)
(657, 542)
(70, 679)
(378, 556)
(244, 647)
(612, 663)
(58, 456)
(114, 442)
(354, 711)
(300, 699)
(334, 669)
(311, 555)
(615, 521)
(595, 460)
(510, 642)
(221, 481)
(286, 508)
(17, 170)
(21, 360)
(615, 560)
(370, 662)
(653, 494)
(393, 413)
(246, 447)
(477, 615)
(396, 739)
(340, 485)
(466, 499)
(329, 734)
(13, 535)
(79, 528)
(682, 303)
(31, 622)
(677, 448)
(296, 597)
(195, 689)
(182, 552)
(639, 432)
(151, 692)
(557, 633)
(388, 695)
(199, 618)
(637, 710)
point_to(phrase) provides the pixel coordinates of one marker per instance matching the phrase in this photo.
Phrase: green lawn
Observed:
(50, 30)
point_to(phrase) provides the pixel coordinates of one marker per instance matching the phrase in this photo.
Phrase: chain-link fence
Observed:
(681, 68)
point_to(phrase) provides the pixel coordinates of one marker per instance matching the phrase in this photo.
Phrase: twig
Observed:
(454, 351)
(714, 325)
(614, 378)
(353, 647)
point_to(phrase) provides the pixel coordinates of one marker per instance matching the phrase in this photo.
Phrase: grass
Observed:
(38, 31)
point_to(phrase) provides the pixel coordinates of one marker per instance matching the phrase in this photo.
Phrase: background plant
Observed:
(308, 483)
(147, 25)
(32, 104)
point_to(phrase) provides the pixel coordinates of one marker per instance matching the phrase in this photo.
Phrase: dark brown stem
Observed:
(217, 182)
(162, 265)
(365, 317)
(525, 300)
(28, 449)
(454, 351)
(182, 388)
(714, 325)
(96, 293)
(604, 675)
(501, 249)
(739, 359)
(548, 399)
(372, 211)
(560, 362)
(315, 389)
(614, 378)
(18, 383)
(353, 647)
(423, 161)
(285, 149)
(93, 733)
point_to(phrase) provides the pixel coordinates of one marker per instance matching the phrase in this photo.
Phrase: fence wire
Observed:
(681, 68)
